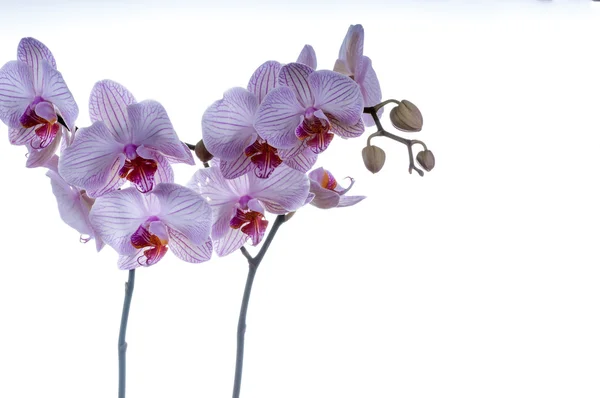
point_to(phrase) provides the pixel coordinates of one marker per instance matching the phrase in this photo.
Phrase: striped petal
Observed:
(33, 52)
(352, 47)
(337, 95)
(183, 210)
(264, 79)
(347, 131)
(117, 215)
(55, 90)
(151, 127)
(93, 160)
(302, 161)
(21, 135)
(324, 198)
(230, 242)
(108, 103)
(16, 92)
(295, 76)
(184, 249)
(308, 57)
(278, 117)
(286, 188)
(227, 125)
(39, 157)
(369, 88)
(346, 201)
(236, 168)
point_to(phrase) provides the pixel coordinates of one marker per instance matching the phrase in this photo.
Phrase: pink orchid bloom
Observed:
(142, 227)
(228, 130)
(128, 141)
(327, 192)
(351, 62)
(74, 208)
(239, 204)
(308, 108)
(35, 101)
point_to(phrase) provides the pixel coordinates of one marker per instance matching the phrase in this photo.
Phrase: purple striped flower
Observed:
(351, 62)
(128, 141)
(239, 204)
(142, 227)
(229, 134)
(33, 100)
(327, 191)
(308, 108)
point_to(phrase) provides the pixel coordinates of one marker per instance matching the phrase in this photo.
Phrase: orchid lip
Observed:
(140, 171)
(252, 223)
(155, 247)
(264, 157)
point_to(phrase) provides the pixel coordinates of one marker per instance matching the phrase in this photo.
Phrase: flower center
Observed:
(251, 222)
(138, 170)
(328, 181)
(156, 246)
(315, 130)
(41, 113)
(264, 157)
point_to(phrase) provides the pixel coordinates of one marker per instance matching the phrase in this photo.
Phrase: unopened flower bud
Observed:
(426, 159)
(407, 117)
(202, 153)
(374, 158)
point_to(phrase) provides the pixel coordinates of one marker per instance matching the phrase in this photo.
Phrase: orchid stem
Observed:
(253, 263)
(123, 330)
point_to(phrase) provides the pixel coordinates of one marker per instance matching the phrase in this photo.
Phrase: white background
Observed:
(480, 279)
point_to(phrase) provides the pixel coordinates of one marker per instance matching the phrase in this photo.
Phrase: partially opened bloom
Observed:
(74, 208)
(327, 191)
(33, 100)
(308, 108)
(228, 130)
(142, 227)
(128, 141)
(239, 204)
(351, 62)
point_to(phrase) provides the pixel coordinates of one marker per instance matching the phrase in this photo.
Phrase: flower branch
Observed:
(123, 330)
(253, 263)
(406, 117)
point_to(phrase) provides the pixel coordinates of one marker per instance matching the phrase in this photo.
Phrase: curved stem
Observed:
(253, 263)
(123, 330)
(241, 332)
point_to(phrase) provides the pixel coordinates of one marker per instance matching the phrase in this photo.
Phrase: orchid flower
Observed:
(308, 108)
(351, 62)
(228, 130)
(328, 193)
(74, 208)
(35, 102)
(142, 227)
(128, 141)
(239, 204)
